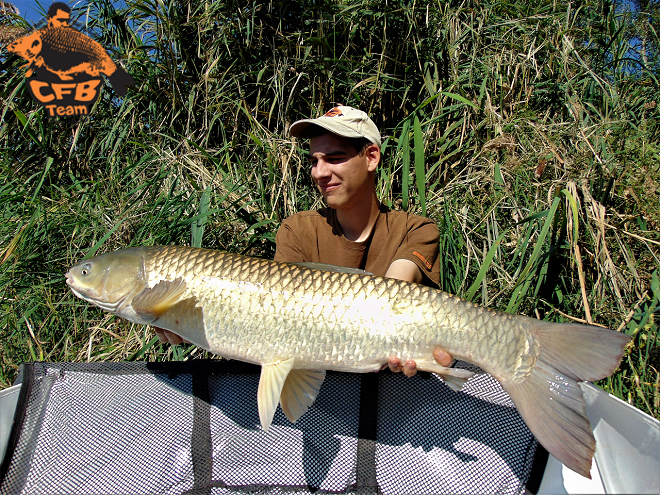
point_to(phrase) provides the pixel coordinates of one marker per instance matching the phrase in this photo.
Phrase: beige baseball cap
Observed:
(341, 120)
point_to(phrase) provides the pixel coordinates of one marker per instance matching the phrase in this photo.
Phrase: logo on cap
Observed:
(335, 112)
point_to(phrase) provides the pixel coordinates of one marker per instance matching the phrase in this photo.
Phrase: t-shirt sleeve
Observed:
(288, 246)
(421, 247)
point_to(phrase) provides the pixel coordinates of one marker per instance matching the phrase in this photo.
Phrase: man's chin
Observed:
(333, 201)
(329, 199)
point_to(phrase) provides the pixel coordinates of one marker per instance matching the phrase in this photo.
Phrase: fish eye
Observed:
(85, 269)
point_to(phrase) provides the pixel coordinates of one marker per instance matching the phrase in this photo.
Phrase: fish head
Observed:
(108, 280)
(27, 47)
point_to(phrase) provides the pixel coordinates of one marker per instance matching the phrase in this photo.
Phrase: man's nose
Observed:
(321, 170)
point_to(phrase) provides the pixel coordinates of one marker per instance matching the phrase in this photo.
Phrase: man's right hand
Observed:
(165, 336)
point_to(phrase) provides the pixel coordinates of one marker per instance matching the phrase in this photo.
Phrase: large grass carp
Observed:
(297, 321)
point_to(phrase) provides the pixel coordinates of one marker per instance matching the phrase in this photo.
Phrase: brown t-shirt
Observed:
(316, 236)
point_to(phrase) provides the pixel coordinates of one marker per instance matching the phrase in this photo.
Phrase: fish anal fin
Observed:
(271, 382)
(299, 392)
(455, 378)
(153, 302)
(550, 399)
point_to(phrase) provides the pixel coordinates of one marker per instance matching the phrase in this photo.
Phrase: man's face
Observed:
(341, 173)
(60, 18)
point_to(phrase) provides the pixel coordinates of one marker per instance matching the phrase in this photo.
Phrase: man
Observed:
(59, 14)
(355, 230)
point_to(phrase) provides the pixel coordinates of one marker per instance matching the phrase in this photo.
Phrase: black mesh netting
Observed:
(166, 428)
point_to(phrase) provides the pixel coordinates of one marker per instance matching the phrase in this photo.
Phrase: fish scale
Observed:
(297, 321)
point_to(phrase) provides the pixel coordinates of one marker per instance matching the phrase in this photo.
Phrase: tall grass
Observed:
(529, 132)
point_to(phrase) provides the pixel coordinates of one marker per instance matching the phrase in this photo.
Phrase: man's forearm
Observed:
(405, 270)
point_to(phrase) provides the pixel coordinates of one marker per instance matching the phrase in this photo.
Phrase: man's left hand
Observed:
(409, 368)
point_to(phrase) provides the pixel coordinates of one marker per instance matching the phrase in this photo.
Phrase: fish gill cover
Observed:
(65, 66)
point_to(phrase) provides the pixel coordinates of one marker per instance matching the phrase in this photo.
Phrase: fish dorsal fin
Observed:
(153, 303)
(299, 392)
(271, 382)
(332, 268)
(455, 378)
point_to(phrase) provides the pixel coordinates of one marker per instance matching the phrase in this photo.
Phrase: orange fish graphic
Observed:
(66, 52)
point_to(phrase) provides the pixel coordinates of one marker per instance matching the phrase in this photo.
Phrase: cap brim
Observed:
(305, 128)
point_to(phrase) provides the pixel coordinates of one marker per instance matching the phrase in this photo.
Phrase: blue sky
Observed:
(31, 10)
(28, 9)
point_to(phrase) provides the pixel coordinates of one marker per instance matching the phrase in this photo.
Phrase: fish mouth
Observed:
(112, 307)
(77, 292)
(70, 283)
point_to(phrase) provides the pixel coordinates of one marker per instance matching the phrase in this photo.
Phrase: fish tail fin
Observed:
(550, 400)
(120, 79)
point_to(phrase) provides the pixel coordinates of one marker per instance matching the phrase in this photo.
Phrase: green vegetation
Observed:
(529, 132)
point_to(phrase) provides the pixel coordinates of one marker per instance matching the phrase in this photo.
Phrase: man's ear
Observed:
(373, 157)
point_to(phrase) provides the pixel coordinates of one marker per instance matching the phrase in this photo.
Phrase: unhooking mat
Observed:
(193, 427)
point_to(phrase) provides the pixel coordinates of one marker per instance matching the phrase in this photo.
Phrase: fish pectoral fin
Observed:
(153, 303)
(299, 392)
(271, 382)
(455, 378)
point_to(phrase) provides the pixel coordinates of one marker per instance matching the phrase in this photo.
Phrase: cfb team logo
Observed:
(65, 66)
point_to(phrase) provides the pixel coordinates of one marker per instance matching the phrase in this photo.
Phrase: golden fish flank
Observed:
(297, 321)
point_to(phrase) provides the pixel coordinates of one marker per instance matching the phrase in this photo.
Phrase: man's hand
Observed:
(409, 368)
(165, 336)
